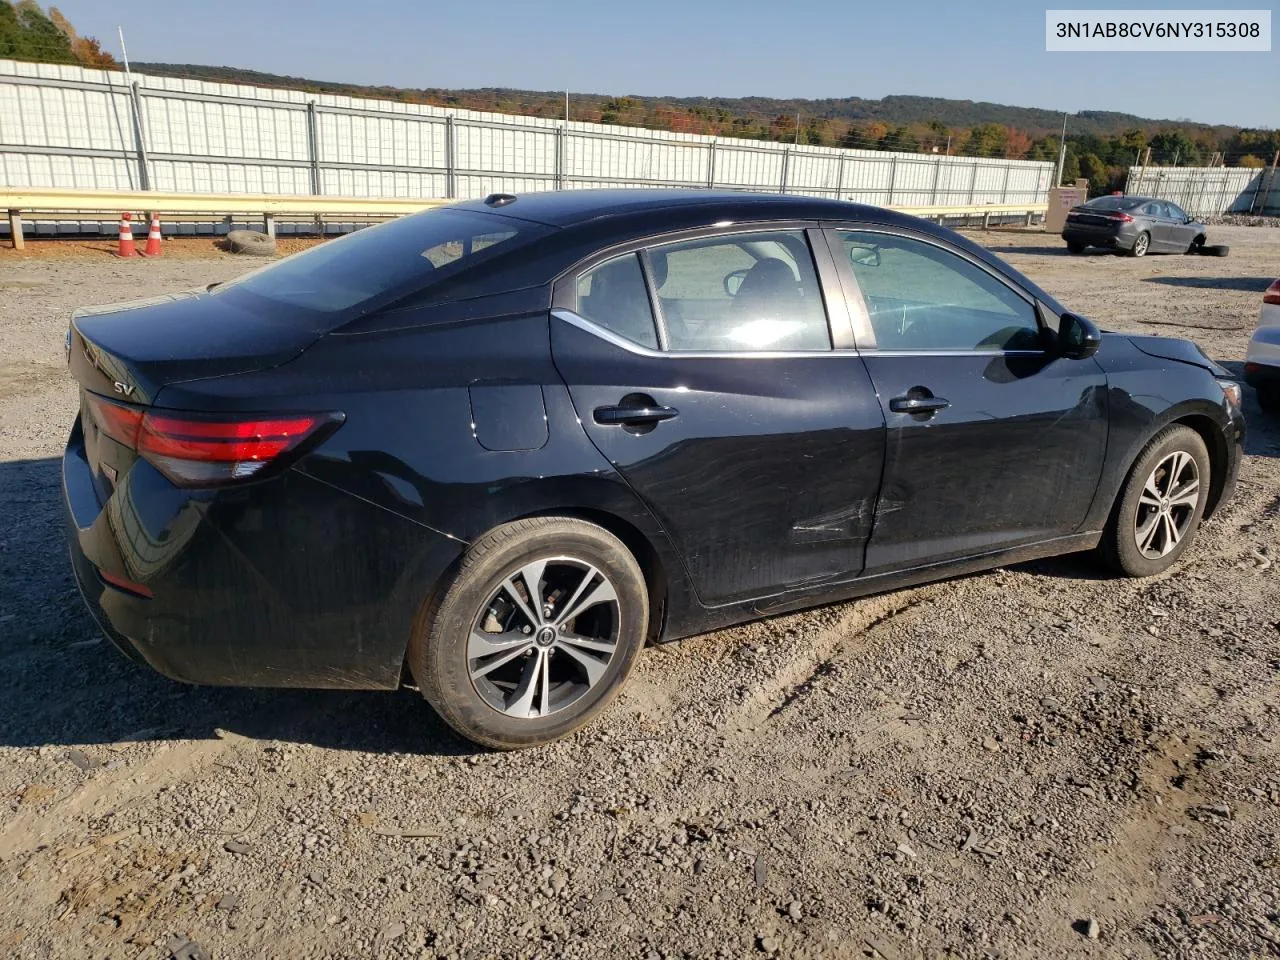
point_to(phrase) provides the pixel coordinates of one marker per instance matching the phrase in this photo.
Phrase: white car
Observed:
(1262, 362)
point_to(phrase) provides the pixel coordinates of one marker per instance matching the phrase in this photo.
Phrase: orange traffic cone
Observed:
(126, 237)
(152, 249)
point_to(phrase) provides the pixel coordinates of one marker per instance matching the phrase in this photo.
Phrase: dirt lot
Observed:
(1033, 762)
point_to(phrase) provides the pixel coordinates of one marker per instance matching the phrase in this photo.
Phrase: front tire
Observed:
(1140, 245)
(537, 633)
(1159, 509)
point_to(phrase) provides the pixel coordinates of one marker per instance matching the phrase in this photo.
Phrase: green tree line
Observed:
(28, 33)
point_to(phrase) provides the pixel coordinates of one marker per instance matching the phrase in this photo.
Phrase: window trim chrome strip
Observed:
(582, 323)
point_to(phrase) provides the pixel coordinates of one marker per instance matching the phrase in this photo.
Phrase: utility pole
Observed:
(566, 106)
(948, 144)
(124, 55)
(797, 128)
(1062, 152)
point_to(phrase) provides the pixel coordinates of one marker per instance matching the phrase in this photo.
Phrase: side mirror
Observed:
(733, 282)
(1078, 338)
(865, 256)
(1189, 220)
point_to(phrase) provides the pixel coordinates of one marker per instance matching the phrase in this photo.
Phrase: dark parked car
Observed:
(496, 448)
(1136, 225)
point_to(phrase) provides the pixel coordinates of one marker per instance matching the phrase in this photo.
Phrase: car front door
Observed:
(993, 440)
(705, 371)
(1182, 232)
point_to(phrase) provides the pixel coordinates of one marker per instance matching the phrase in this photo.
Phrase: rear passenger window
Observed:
(746, 292)
(613, 295)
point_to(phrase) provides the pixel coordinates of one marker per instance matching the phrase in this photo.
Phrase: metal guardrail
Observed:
(38, 200)
(32, 200)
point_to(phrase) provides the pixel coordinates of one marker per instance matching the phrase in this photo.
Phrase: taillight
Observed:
(1120, 217)
(202, 450)
(1272, 294)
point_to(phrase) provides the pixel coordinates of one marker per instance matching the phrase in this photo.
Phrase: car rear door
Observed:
(1166, 232)
(992, 439)
(706, 369)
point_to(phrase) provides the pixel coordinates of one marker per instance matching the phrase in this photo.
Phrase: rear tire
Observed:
(1141, 244)
(1075, 248)
(537, 633)
(251, 242)
(1158, 512)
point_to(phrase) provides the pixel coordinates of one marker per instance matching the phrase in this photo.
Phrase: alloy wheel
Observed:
(1140, 245)
(544, 638)
(1167, 505)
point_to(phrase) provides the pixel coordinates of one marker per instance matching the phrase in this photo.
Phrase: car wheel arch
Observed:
(1209, 430)
(1216, 443)
(652, 564)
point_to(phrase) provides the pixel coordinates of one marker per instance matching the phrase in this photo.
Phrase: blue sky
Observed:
(965, 50)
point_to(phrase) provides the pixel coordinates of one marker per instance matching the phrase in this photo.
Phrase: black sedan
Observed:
(1134, 225)
(494, 449)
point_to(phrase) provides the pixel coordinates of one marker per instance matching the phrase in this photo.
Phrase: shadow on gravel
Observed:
(62, 683)
(1246, 284)
(1056, 251)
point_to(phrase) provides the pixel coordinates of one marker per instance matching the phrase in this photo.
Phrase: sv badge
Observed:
(125, 388)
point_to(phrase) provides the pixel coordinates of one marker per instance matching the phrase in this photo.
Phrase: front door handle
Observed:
(626, 415)
(918, 404)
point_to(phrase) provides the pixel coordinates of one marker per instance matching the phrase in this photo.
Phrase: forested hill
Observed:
(718, 112)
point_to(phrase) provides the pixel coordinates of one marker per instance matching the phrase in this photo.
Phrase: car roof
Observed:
(568, 208)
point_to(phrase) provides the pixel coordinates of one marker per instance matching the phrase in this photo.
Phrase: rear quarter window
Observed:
(403, 256)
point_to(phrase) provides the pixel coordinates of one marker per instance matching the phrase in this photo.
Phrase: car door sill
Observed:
(913, 576)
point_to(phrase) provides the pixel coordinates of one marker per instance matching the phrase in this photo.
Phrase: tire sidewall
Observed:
(1135, 251)
(439, 660)
(1123, 549)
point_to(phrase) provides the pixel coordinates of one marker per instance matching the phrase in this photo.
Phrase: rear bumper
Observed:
(1120, 237)
(1262, 359)
(283, 583)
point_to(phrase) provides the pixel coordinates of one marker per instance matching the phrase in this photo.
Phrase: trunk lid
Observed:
(1088, 218)
(130, 351)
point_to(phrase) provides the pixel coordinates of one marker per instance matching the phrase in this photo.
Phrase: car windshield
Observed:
(1113, 203)
(410, 253)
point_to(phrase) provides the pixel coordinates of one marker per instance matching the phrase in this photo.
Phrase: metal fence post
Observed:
(560, 157)
(450, 184)
(933, 190)
(893, 177)
(973, 186)
(1004, 187)
(144, 175)
(786, 161)
(711, 163)
(839, 174)
(313, 146)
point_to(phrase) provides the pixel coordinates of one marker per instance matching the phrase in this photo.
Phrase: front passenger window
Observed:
(924, 298)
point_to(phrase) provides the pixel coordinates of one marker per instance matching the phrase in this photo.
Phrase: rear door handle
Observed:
(918, 404)
(633, 416)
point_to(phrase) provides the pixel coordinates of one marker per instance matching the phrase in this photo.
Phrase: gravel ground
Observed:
(1033, 762)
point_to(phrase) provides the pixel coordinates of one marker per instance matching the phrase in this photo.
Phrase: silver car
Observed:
(1262, 362)
(1136, 225)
